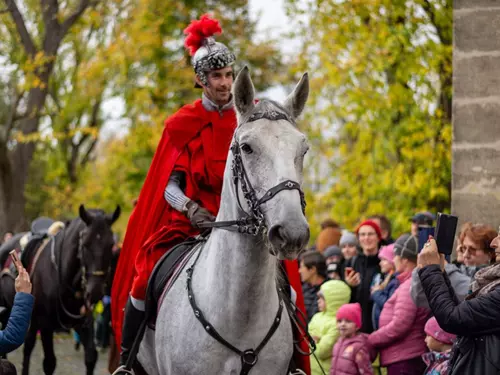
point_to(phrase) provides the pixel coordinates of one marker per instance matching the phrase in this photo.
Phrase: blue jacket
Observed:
(12, 337)
(380, 297)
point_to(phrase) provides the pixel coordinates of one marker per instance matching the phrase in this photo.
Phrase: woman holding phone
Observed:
(476, 320)
(14, 333)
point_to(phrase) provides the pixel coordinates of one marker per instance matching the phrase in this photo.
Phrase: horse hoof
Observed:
(123, 371)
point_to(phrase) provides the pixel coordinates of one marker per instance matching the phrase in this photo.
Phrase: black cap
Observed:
(423, 218)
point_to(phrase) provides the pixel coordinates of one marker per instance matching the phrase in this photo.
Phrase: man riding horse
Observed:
(184, 183)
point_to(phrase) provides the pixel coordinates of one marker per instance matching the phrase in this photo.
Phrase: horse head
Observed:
(271, 150)
(95, 250)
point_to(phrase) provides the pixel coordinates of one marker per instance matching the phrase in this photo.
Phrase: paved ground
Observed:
(69, 361)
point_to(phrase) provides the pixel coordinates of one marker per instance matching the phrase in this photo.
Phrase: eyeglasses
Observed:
(471, 250)
(367, 234)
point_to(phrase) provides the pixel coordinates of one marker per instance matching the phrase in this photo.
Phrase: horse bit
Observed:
(253, 224)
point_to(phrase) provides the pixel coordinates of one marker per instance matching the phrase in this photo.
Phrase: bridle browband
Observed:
(252, 224)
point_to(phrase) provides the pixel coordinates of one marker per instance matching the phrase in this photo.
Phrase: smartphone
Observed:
(348, 271)
(15, 258)
(445, 233)
(424, 231)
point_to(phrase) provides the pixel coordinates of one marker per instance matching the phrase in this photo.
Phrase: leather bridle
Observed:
(253, 223)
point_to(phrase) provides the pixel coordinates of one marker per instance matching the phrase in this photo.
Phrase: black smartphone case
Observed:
(445, 232)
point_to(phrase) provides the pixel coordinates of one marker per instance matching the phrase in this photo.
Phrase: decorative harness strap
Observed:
(248, 357)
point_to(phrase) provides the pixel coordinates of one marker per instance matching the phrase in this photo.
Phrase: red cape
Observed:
(152, 211)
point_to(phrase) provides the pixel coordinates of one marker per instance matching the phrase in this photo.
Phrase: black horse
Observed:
(69, 273)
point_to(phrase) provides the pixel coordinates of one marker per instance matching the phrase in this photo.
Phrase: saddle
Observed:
(164, 274)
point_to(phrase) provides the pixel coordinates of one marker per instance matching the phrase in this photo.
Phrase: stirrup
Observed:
(122, 370)
(297, 372)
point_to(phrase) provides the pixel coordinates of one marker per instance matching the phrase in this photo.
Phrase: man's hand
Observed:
(197, 214)
(23, 283)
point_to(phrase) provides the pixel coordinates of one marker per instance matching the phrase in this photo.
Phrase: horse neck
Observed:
(67, 251)
(238, 268)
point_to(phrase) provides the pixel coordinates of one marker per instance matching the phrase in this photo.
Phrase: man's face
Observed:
(219, 85)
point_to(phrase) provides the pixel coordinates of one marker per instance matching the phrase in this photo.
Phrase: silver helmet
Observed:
(207, 54)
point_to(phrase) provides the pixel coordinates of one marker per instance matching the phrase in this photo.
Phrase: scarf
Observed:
(485, 280)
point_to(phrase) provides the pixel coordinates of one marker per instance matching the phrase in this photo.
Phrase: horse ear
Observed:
(243, 92)
(85, 215)
(112, 218)
(296, 101)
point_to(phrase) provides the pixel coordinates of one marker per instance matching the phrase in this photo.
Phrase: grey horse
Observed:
(235, 281)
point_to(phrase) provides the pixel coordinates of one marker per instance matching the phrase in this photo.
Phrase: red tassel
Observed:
(198, 30)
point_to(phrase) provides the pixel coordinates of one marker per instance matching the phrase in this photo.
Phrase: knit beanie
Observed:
(433, 329)
(372, 224)
(328, 237)
(352, 312)
(348, 238)
(387, 253)
(406, 246)
(332, 251)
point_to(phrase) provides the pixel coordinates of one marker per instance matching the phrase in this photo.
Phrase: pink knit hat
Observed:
(433, 329)
(387, 253)
(352, 312)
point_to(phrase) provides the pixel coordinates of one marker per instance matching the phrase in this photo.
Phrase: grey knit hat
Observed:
(406, 246)
(332, 251)
(348, 238)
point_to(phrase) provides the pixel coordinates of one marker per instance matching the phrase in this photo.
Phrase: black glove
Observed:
(197, 214)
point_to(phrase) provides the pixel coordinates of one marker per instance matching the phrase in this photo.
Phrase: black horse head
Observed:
(95, 251)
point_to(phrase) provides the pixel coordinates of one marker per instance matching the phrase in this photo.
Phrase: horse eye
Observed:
(246, 148)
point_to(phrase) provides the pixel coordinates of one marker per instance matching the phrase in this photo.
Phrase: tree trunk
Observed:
(15, 162)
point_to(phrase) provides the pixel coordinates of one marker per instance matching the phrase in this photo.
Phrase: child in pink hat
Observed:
(439, 343)
(382, 292)
(351, 354)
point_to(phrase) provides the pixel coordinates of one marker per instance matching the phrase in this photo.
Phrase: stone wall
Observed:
(476, 111)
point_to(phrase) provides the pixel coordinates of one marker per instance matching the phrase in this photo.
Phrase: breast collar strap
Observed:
(248, 357)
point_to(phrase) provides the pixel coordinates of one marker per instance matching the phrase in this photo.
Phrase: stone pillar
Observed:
(476, 111)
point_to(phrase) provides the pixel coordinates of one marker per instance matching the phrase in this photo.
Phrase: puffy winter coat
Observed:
(401, 334)
(353, 356)
(475, 321)
(324, 325)
(459, 281)
(14, 333)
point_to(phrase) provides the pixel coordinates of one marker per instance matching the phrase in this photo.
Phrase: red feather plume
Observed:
(199, 30)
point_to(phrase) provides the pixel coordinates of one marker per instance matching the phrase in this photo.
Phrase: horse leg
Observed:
(29, 344)
(49, 360)
(87, 338)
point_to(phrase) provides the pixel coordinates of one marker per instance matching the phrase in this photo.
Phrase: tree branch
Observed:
(82, 6)
(86, 157)
(50, 8)
(12, 118)
(26, 40)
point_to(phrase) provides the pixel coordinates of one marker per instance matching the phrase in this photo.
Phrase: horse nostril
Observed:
(277, 236)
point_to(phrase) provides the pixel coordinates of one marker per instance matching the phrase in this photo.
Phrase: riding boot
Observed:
(132, 322)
